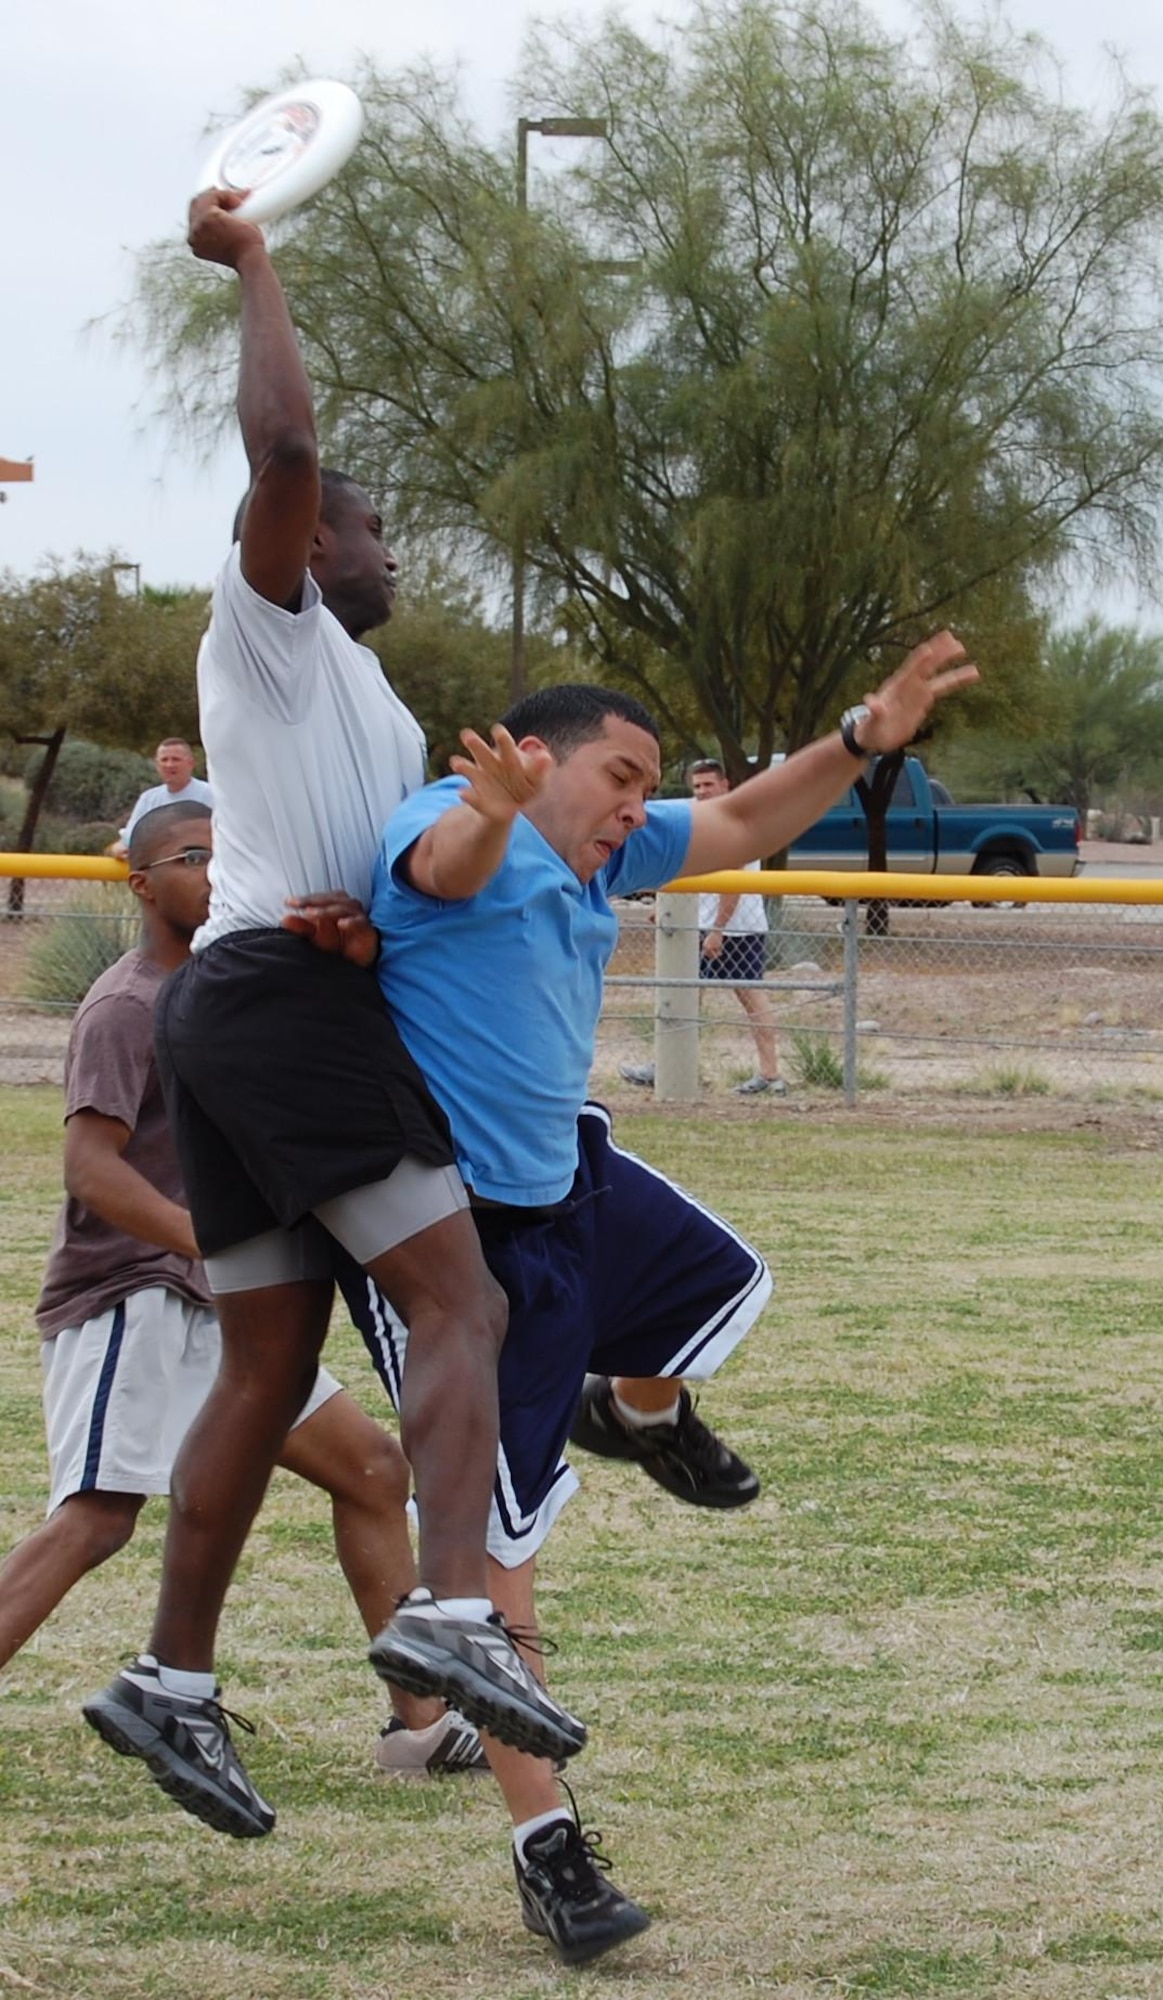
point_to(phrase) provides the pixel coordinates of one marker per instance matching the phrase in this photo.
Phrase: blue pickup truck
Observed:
(929, 835)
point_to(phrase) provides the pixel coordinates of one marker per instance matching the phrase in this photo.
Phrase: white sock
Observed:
(430, 1731)
(460, 1607)
(176, 1680)
(529, 1827)
(641, 1420)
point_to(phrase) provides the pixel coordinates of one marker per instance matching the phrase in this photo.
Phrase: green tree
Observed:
(1100, 720)
(77, 653)
(451, 666)
(890, 358)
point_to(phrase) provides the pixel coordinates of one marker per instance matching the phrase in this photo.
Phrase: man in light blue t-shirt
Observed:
(491, 903)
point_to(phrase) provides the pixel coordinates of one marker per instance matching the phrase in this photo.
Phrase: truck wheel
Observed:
(1001, 864)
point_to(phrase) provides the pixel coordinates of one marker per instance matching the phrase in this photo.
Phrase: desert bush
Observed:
(67, 952)
(93, 783)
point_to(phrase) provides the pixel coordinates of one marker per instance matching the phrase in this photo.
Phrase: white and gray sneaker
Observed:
(448, 1747)
(185, 1741)
(473, 1665)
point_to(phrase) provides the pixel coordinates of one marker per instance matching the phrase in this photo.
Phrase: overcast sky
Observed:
(103, 111)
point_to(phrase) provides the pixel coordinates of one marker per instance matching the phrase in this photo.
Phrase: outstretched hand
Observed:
(502, 778)
(902, 703)
(334, 922)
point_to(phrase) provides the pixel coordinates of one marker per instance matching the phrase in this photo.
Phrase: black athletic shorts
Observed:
(286, 1083)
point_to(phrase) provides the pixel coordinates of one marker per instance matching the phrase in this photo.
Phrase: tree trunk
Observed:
(874, 797)
(36, 799)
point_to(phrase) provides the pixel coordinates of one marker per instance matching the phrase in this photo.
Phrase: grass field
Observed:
(896, 1731)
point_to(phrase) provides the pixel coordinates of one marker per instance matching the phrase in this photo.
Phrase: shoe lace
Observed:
(225, 1716)
(584, 1844)
(526, 1638)
(696, 1441)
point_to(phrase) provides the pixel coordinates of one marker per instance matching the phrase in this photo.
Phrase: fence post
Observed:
(851, 970)
(676, 1008)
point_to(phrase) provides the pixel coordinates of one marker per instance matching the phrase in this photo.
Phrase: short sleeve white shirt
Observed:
(196, 791)
(309, 753)
(749, 914)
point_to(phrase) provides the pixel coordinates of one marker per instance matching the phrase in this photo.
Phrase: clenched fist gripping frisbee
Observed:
(287, 148)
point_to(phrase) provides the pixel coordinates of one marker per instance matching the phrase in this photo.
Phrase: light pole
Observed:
(548, 128)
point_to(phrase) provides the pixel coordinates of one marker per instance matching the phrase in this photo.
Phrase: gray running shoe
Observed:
(473, 1665)
(686, 1457)
(185, 1741)
(761, 1086)
(640, 1073)
(447, 1747)
(566, 1897)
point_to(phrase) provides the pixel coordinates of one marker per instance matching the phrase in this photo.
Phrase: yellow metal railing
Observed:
(839, 885)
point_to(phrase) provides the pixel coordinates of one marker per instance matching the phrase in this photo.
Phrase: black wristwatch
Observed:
(850, 722)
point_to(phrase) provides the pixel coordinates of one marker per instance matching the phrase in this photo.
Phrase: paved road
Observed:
(1107, 858)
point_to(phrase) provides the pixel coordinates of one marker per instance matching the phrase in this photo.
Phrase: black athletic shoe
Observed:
(186, 1743)
(566, 1897)
(474, 1665)
(686, 1457)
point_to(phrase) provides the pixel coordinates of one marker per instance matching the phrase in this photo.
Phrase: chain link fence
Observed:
(1029, 1000)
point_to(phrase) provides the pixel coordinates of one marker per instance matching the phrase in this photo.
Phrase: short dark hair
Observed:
(706, 764)
(572, 713)
(181, 742)
(154, 828)
(334, 488)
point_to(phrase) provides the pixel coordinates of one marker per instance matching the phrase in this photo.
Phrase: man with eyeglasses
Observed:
(130, 1342)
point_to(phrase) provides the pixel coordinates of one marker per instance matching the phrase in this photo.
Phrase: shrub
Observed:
(814, 1060)
(93, 783)
(72, 836)
(67, 952)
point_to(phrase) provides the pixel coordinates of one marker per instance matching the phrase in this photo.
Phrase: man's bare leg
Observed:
(456, 1316)
(562, 1880)
(271, 1340)
(83, 1532)
(760, 1011)
(361, 1467)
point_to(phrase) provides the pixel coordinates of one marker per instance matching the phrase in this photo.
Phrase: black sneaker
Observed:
(474, 1665)
(686, 1457)
(185, 1741)
(566, 1897)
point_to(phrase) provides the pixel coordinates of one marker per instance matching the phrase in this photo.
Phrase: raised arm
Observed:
(769, 811)
(275, 410)
(462, 851)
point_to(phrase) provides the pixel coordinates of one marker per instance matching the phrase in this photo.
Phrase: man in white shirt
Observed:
(732, 947)
(297, 1111)
(174, 761)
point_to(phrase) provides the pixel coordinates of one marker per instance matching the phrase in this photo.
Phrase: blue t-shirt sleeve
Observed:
(654, 853)
(410, 820)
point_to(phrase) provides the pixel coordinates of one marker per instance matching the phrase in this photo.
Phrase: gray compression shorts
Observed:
(366, 1221)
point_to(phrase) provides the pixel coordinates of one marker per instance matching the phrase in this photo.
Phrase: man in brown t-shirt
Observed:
(130, 1343)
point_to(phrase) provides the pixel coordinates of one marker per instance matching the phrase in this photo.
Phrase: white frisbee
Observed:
(287, 148)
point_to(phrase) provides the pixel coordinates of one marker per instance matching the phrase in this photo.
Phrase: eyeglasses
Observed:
(190, 857)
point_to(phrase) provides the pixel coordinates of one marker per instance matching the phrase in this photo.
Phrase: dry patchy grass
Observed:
(893, 1732)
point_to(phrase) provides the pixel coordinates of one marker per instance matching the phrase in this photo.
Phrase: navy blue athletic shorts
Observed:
(744, 956)
(628, 1276)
